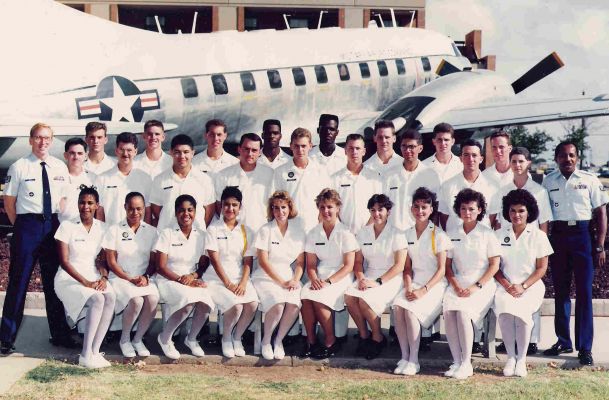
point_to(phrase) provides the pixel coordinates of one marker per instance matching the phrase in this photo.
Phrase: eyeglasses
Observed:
(39, 139)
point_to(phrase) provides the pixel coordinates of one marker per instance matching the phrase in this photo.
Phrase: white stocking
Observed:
(174, 321)
(130, 314)
(95, 306)
(198, 320)
(249, 310)
(230, 318)
(466, 336)
(290, 315)
(523, 335)
(413, 333)
(271, 319)
(508, 332)
(452, 335)
(400, 331)
(147, 315)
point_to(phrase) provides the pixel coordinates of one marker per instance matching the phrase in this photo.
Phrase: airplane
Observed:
(73, 68)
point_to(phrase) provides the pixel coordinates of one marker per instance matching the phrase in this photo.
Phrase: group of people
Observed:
(306, 235)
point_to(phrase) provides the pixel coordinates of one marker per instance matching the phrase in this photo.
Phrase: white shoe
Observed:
(228, 350)
(127, 349)
(279, 352)
(100, 361)
(195, 347)
(411, 369)
(399, 369)
(88, 362)
(141, 349)
(238, 346)
(169, 349)
(521, 368)
(267, 351)
(451, 370)
(508, 370)
(465, 371)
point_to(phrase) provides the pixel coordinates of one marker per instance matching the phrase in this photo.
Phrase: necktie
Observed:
(46, 193)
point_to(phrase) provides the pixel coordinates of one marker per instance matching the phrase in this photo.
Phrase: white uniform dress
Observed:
(83, 248)
(424, 266)
(282, 252)
(232, 246)
(355, 191)
(114, 186)
(132, 254)
(518, 261)
(333, 163)
(70, 211)
(153, 168)
(205, 164)
(329, 252)
(376, 164)
(470, 256)
(106, 164)
(445, 171)
(378, 258)
(279, 160)
(182, 258)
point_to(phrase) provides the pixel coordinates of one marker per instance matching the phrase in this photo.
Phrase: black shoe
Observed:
(476, 348)
(435, 336)
(290, 340)
(64, 341)
(375, 348)
(325, 352)
(392, 332)
(501, 348)
(532, 349)
(585, 357)
(7, 348)
(425, 345)
(308, 349)
(557, 349)
(362, 347)
(342, 339)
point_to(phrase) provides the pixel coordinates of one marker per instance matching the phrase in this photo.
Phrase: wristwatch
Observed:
(525, 286)
(379, 281)
(479, 285)
(328, 281)
(599, 249)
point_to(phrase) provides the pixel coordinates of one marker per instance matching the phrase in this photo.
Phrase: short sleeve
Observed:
(212, 193)
(262, 238)
(211, 243)
(310, 241)
(109, 240)
(156, 196)
(13, 178)
(443, 242)
(542, 245)
(493, 248)
(543, 203)
(348, 243)
(399, 241)
(444, 207)
(250, 250)
(163, 242)
(598, 193)
(64, 232)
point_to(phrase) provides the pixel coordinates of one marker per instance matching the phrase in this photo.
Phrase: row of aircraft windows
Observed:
(189, 86)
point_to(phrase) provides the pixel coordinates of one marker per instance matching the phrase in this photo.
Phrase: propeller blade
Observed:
(445, 68)
(542, 69)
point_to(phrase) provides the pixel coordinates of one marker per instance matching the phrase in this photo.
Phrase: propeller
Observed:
(445, 68)
(542, 69)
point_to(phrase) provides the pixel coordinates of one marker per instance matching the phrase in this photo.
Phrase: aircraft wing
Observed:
(68, 127)
(355, 121)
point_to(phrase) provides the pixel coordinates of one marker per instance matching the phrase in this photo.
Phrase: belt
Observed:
(38, 217)
(570, 225)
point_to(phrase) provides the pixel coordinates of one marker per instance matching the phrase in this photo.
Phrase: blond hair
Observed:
(38, 126)
(281, 195)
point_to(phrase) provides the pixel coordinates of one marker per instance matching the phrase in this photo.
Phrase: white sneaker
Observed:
(88, 362)
(238, 346)
(411, 369)
(451, 370)
(100, 361)
(521, 368)
(465, 371)
(127, 349)
(228, 350)
(267, 351)
(195, 347)
(279, 352)
(508, 370)
(141, 349)
(399, 369)
(169, 349)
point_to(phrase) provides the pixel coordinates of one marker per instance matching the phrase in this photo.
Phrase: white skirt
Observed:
(331, 295)
(427, 308)
(380, 297)
(177, 296)
(125, 291)
(224, 299)
(270, 293)
(522, 307)
(475, 306)
(74, 295)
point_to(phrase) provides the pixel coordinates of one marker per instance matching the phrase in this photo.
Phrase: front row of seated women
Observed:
(404, 270)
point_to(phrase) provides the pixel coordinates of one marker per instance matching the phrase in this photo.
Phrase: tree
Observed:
(578, 135)
(536, 142)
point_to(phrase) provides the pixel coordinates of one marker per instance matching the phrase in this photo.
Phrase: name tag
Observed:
(59, 178)
(274, 242)
(506, 244)
(410, 242)
(346, 185)
(177, 244)
(127, 239)
(366, 244)
(111, 187)
(554, 190)
(29, 180)
(320, 244)
(79, 240)
(393, 188)
(580, 186)
(222, 238)
(291, 180)
(168, 187)
(455, 240)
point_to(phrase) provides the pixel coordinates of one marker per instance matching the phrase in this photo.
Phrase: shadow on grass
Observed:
(52, 372)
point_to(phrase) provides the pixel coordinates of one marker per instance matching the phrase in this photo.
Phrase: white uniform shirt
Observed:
(376, 164)
(232, 246)
(132, 248)
(113, 187)
(453, 186)
(282, 249)
(203, 163)
(333, 163)
(518, 256)
(168, 186)
(445, 171)
(379, 253)
(355, 191)
(470, 252)
(281, 159)
(71, 194)
(540, 194)
(182, 254)
(153, 168)
(330, 251)
(498, 178)
(303, 185)
(420, 250)
(105, 165)
(574, 199)
(400, 184)
(83, 246)
(24, 181)
(256, 188)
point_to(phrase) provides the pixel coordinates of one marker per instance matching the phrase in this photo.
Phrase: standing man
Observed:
(75, 154)
(444, 162)
(34, 187)
(328, 154)
(98, 161)
(153, 160)
(576, 197)
(385, 157)
(214, 158)
(254, 181)
(500, 172)
(272, 155)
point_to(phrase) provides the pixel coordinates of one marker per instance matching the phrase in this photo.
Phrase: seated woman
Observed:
(129, 255)
(279, 244)
(524, 261)
(420, 303)
(229, 247)
(470, 267)
(383, 247)
(80, 282)
(330, 252)
(180, 251)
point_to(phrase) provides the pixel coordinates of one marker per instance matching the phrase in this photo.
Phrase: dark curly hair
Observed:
(184, 198)
(469, 195)
(380, 199)
(427, 196)
(524, 197)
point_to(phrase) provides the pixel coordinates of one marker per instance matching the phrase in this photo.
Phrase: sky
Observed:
(522, 32)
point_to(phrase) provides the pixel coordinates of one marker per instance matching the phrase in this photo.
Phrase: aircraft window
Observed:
(247, 80)
(343, 72)
(400, 66)
(320, 72)
(189, 88)
(274, 78)
(219, 82)
(426, 64)
(383, 71)
(364, 70)
(299, 76)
